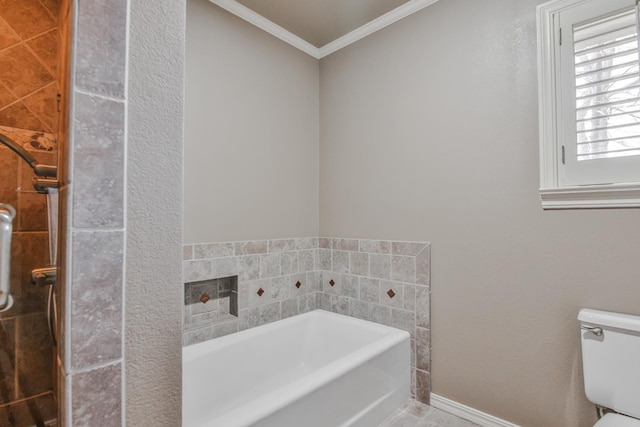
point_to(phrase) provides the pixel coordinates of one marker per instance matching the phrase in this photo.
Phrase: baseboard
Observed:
(467, 413)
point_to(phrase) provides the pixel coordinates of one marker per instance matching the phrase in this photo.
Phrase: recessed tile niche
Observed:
(211, 302)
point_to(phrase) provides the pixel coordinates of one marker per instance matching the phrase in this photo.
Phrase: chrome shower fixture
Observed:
(46, 175)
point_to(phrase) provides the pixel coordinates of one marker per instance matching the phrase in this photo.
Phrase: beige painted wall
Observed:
(251, 132)
(429, 132)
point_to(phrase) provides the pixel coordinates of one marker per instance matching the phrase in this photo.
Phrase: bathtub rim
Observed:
(279, 397)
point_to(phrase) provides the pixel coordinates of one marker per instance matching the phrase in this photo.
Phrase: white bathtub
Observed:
(318, 369)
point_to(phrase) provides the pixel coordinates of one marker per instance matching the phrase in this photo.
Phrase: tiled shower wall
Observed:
(28, 116)
(387, 282)
(28, 54)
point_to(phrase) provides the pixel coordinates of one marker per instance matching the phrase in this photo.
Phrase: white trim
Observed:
(468, 413)
(552, 193)
(275, 30)
(379, 23)
(270, 27)
(592, 196)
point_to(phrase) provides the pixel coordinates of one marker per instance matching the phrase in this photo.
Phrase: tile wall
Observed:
(26, 348)
(382, 281)
(92, 236)
(28, 116)
(28, 54)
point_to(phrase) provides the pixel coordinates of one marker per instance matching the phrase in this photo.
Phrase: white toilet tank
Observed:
(611, 359)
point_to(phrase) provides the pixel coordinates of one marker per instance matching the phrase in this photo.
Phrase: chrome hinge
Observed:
(563, 155)
(560, 36)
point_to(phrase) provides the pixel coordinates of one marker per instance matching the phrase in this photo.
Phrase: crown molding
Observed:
(241, 11)
(275, 30)
(371, 27)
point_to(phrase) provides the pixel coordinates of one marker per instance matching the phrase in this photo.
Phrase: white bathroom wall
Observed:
(251, 131)
(429, 131)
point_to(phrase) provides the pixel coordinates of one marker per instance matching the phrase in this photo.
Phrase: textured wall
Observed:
(429, 132)
(153, 293)
(251, 132)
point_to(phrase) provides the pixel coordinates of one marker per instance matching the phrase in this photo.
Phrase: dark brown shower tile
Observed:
(18, 115)
(8, 176)
(32, 332)
(98, 166)
(19, 61)
(27, 17)
(7, 36)
(29, 251)
(7, 360)
(45, 47)
(30, 412)
(32, 211)
(52, 6)
(96, 298)
(97, 397)
(43, 105)
(101, 40)
(34, 371)
(6, 97)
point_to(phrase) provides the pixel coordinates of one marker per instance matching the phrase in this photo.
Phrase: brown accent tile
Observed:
(101, 39)
(19, 61)
(98, 168)
(43, 105)
(45, 47)
(18, 115)
(8, 37)
(391, 293)
(26, 17)
(96, 298)
(97, 397)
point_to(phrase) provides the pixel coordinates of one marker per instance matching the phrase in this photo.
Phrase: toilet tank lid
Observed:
(607, 318)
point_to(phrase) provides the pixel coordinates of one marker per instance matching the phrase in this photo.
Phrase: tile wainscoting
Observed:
(383, 281)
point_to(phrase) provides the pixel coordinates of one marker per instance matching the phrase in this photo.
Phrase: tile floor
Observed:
(416, 414)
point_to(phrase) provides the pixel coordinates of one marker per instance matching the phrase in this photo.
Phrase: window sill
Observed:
(592, 196)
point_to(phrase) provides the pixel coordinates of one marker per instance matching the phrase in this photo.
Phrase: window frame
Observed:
(553, 194)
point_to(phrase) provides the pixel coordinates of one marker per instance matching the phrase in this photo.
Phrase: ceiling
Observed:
(320, 22)
(320, 27)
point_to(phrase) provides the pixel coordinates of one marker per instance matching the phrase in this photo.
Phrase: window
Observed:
(589, 83)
